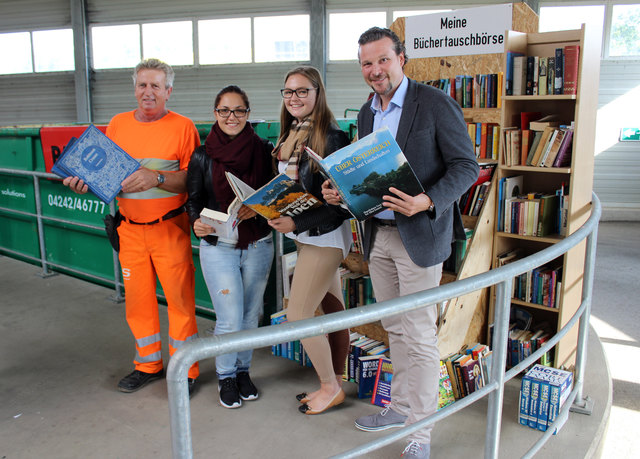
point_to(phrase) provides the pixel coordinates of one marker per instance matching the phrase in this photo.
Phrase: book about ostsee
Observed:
(98, 161)
(363, 171)
(282, 196)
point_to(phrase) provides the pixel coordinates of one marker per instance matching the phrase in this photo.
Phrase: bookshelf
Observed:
(580, 108)
(464, 320)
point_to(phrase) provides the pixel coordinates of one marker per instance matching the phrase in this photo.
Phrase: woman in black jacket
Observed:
(235, 266)
(322, 235)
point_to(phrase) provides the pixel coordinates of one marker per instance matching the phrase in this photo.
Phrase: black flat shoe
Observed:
(336, 400)
(302, 398)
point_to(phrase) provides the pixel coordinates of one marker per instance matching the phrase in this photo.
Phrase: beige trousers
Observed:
(316, 275)
(412, 336)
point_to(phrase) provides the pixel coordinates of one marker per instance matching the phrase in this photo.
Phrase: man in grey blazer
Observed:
(407, 243)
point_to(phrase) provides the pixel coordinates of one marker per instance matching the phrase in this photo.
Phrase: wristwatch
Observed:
(160, 179)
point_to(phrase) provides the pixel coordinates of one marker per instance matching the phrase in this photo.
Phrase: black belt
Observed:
(169, 215)
(385, 222)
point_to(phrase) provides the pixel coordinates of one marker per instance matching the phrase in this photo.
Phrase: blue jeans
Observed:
(236, 280)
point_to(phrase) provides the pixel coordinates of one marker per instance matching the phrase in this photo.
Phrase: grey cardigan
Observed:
(433, 136)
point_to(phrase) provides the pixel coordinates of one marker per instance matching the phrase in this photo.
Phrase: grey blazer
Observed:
(433, 136)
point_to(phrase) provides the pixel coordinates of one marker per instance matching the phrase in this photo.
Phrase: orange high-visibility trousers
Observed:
(162, 249)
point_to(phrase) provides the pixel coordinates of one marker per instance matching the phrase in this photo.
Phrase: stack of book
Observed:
(543, 392)
(357, 289)
(522, 343)
(469, 369)
(292, 350)
(544, 143)
(485, 137)
(473, 91)
(543, 75)
(472, 200)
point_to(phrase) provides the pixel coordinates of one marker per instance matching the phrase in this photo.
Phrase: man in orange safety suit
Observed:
(155, 234)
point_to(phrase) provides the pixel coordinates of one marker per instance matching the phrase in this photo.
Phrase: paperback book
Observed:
(224, 224)
(363, 171)
(282, 196)
(98, 161)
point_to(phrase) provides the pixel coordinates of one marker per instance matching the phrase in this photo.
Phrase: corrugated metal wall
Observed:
(616, 178)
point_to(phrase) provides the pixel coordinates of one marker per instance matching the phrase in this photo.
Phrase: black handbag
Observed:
(111, 223)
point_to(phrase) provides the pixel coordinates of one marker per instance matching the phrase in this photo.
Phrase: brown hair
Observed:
(322, 116)
(232, 89)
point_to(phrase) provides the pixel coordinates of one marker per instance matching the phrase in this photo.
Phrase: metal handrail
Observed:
(502, 278)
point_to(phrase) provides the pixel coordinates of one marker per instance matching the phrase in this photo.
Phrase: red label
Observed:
(55, 138)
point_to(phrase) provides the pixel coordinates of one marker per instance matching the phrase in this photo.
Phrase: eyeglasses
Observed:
(300, 92)
(238, 112)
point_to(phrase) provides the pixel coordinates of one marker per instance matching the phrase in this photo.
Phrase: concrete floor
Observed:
(65, 345)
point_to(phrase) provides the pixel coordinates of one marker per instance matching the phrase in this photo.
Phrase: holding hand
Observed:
(330, 194)
(283, 224)
(405, 204)
(76, 184)
(201, 230)
(245, 213)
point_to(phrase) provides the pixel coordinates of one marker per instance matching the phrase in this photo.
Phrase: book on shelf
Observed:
(98, 161)
(527, 117)
(555, 147)
(571, 62)
(282, 196)
(559, 71)
(382, 389)
(551, 72)
(547, 148)
(510, 187)
(537, 135)
(445, 388)
(509, 72)
(542, 75)
(543, 145)
(563, 158)
(527, 136)
(363, 171)
(224, 224)
(540, 124)
(485, 174)
(519, 75)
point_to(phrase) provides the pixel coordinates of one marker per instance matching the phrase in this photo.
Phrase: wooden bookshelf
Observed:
(581, 109)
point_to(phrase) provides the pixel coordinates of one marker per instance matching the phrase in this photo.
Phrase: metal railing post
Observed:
(499, 345)
(584, 405)
(43, 248)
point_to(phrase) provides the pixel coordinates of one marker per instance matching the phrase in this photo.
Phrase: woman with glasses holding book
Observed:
(235, 266)
(322, 235)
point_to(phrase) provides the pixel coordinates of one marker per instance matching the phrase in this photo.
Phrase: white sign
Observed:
(460, 32)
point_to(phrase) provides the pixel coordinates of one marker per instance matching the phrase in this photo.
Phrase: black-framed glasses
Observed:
(226, 112)
(300, 92)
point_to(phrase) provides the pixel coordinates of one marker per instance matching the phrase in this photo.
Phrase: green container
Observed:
(20, 148)
(18, 232)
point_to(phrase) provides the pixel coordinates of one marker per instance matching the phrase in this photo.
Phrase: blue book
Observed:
(363, 171)
(509, 72)
(525, 400)
(98, 161)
